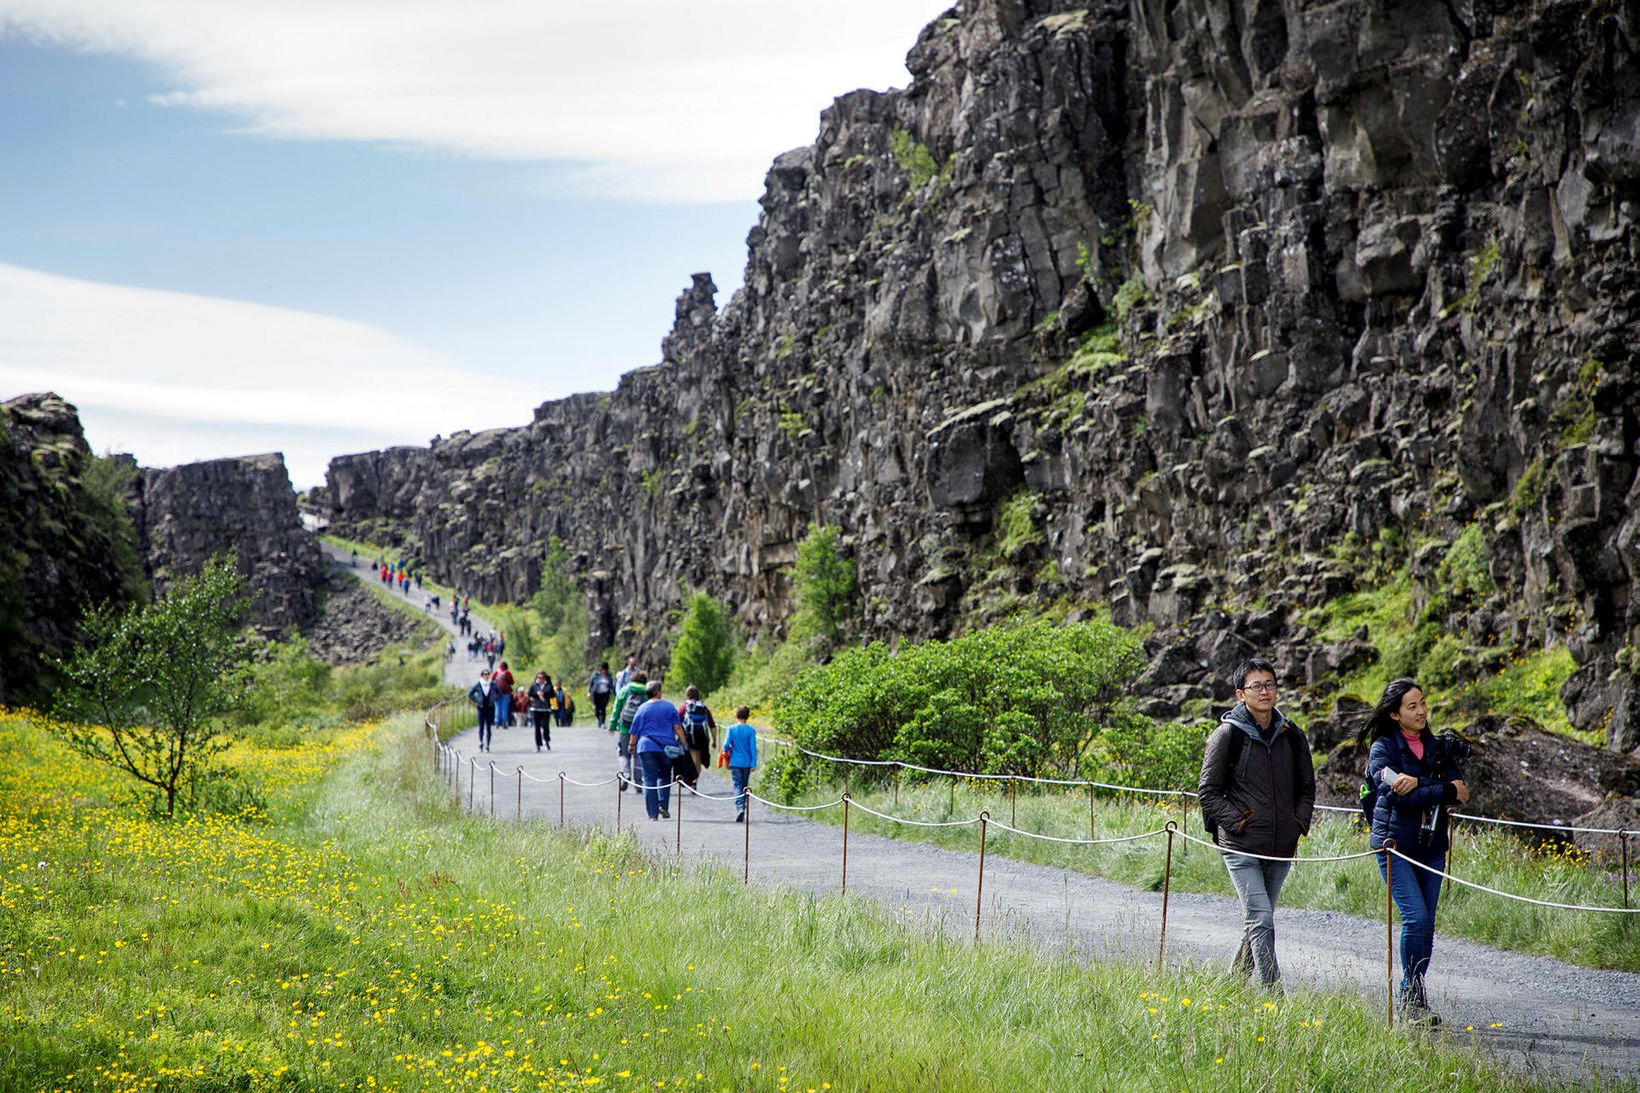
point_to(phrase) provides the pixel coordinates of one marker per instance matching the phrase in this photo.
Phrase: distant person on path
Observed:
(699, 728)
(483, 694)
(627, 702)
(564, 711)
(541, 704)
(1258, 787)
(657, 733)
(624, 676)
(601, 690)
(503, 706)
(1417, 780)
(740, 747)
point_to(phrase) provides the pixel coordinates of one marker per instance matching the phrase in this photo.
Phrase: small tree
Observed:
(158, 681)
(825, 583)
(704, 652)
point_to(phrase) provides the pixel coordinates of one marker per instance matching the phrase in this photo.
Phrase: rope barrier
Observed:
(1271, 857)
(1074, 842)
(796, 808)
(915, 823)
(978, 777)
(1511, 895)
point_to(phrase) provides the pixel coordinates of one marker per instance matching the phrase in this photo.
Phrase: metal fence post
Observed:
(620, 792)
(1167, 887)
(518, 812)
(746, 862)
(677, 791)
(1623, 840)
(979, 894)
(472, 781)
(560, 798)
(1013, 802)
(1091, 811)
(492, 787)
(846, 800)
(896, 789)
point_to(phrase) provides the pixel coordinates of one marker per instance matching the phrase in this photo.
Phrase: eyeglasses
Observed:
(1266, 688)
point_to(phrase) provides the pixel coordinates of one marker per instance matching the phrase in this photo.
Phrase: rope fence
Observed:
(450, 765)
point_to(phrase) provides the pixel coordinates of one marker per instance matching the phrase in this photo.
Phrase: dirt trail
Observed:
(1552, 1018)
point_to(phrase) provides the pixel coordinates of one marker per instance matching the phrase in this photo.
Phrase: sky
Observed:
(237, 226)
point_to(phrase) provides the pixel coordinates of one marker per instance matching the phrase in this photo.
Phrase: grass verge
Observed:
(362, 933)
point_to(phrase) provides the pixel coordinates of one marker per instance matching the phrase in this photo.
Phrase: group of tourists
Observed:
(488, 648)
(1257, 790)
(500, 701)
(397, 575)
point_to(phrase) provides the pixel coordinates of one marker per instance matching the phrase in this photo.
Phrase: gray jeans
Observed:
(1258, 886)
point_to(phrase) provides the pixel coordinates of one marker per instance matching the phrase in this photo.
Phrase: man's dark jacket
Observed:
(1266, 803)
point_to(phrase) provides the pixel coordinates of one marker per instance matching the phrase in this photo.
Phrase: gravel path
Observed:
(458, 670)
(1552, 1018)
(1541, 1015)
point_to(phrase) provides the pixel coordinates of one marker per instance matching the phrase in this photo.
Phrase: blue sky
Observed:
(216, 246)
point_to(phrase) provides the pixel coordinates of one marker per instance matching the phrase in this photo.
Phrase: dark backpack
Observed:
(1238, 741)
(630, 709)
(694, 715)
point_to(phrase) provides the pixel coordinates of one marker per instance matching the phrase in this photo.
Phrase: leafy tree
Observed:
(704, 651)
(157, 682)
(825, 584)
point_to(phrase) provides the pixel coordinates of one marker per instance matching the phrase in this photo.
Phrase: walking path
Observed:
(1538, 1013)
(458, 670)
(1534, 1011)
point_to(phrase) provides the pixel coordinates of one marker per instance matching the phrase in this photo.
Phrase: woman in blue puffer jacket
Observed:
(1416, 782)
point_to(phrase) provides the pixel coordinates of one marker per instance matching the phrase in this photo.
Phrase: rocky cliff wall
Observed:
(245, 506)
(1208, 309)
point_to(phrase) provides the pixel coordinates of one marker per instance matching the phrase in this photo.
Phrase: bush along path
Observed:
(1535, 1012)
(458, 670)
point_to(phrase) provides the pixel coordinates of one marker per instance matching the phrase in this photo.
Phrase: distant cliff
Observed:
(1212, 310)
(77, 531)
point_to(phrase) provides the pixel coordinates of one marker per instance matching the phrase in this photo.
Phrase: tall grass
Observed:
(1484, 855)
(363, 933)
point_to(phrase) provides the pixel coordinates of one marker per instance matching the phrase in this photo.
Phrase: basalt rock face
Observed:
(58, 548)
(245, 506)
(1208, 309)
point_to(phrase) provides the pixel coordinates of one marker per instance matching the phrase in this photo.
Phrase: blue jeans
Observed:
(741, 776)
(657, 782)
(486, 725)
(1415, 891)
(1258, 886)
(503, 711)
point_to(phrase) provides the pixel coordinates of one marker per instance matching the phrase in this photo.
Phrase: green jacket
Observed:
(637, 693)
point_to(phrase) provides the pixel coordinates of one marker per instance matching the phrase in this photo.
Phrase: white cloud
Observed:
(174, 378)
(671, 101)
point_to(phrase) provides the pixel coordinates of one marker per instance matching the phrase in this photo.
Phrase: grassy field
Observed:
(1483, 855)
(359, 932)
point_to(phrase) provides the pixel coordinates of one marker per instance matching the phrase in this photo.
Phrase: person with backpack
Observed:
(564, 710)
(601, 689)
(740, 753)
(542, 699)
(503, 706)
(483, 694)
(1413, 780)
(626, 708)
(1257, 791)
(657, 737)
(699, 731)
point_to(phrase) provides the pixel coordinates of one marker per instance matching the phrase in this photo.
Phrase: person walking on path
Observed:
(624, 676)
(601, 690)
(483, 694)
(740, 752)
(699, 730)
(657, 733)
(1415, 779)
(503, 706)
(1257, 788)
(541, 699)
(626, 708)
(564, 707)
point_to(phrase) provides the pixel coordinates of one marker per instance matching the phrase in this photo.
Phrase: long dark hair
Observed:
(1381, 724)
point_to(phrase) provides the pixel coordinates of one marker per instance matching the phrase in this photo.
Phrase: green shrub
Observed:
(825, 586)
(1463, 569)
(1027, 700)
(703, 653)
(913, 157)
(1016, 523)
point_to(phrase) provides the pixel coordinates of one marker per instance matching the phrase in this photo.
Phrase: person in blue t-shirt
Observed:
(740, 745)
(655, 728)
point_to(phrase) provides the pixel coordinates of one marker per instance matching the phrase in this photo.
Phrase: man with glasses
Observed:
(1257, 788)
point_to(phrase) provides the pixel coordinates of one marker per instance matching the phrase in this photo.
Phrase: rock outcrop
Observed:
(65, 544)
(245, 506)
(1225, 306)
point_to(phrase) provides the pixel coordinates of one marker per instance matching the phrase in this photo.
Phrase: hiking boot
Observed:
(665, 815)
(1415, 1006)
(740, 818)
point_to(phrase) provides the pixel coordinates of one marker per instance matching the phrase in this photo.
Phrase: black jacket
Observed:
(1266, 803)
